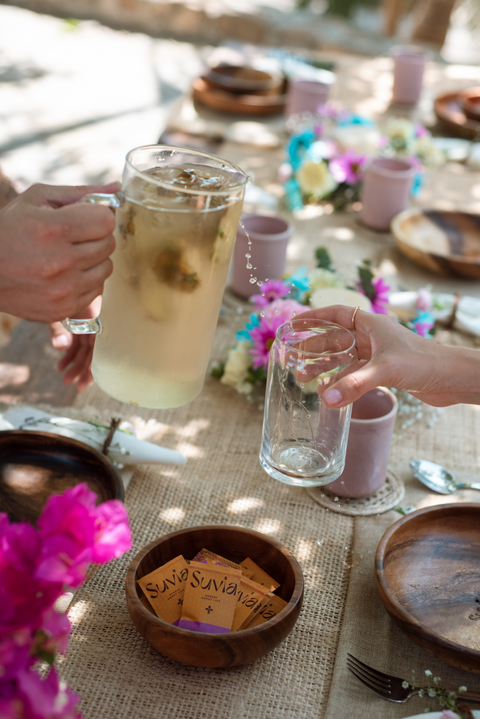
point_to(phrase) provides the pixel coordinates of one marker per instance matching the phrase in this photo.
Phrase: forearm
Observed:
(457, 377)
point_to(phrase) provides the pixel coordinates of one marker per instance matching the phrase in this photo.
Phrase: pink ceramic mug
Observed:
(268, 250)
(385, 193)
(408, 66)
(371, 431)
(305, 96)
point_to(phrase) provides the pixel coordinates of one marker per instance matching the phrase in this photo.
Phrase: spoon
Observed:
(436, 477)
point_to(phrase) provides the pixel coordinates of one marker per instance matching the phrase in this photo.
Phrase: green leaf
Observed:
(48, 657)
(366, 276)
(324, 261)
(218, 370)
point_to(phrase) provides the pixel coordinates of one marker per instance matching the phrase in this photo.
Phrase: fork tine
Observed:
(375, 672)
(379, 692)
(369, 677)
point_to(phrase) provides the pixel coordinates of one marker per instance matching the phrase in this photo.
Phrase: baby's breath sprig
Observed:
(446, 699)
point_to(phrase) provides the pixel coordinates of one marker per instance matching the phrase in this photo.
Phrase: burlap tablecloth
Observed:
(119, 675)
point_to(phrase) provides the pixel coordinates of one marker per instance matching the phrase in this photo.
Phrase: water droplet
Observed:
(335, 499)
(319, 542)
(249, 266)
(277, 310)
(252, 280)
(301, 385)
(294, 314)
(262, 313)
(258, 283)
(248, 255)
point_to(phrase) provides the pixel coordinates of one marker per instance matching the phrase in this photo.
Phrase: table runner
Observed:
(112, 667)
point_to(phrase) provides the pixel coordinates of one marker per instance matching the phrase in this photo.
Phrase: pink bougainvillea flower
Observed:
(271, 290)
(112, 531)
(348, 167)
(49, 697)
(263, 336)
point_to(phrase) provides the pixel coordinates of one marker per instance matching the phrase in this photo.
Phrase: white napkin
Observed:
(467, 315)
(125, 448)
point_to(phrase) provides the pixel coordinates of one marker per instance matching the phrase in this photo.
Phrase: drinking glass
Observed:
(304, 441)
(176, 221)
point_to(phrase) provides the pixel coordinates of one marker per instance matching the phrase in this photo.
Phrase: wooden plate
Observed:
(470, 103)
(449, 112)
(443, 242)
(35, 465)
(427, 571)
(237, 104)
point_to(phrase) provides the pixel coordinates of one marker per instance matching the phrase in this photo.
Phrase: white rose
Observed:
(316, 179)
(320, 278)
(399, 127)
(236, 368)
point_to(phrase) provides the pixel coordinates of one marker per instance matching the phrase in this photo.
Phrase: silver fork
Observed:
(393, 689)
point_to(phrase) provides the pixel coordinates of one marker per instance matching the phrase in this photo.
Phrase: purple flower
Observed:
(271, 290)
(423, 323)
(379, 295)
(348, 167)
(421, 131)
(380, 301)
(263, 336)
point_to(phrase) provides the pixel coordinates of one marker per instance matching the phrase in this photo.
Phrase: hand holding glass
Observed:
(177, 218)
(304, 442)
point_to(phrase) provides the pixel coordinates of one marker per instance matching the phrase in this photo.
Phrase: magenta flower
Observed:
(271, 290)
(34, 567)
(421, 131)
(112, 533)
(263, 336)
(380, 301)
(348, 167)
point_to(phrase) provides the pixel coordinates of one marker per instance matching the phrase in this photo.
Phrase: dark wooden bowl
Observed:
(35, 465)
(442, 241)
(427, 571)
(243, 80)
(217, 650)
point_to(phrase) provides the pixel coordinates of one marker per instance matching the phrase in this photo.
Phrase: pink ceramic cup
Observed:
(305, 96)
(371, 431)
(385, 193)
(269, 236)
(408, 66)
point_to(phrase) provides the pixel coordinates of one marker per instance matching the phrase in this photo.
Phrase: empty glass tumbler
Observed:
(304, 442)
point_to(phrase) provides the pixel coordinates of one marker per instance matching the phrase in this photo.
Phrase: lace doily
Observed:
(387, 497)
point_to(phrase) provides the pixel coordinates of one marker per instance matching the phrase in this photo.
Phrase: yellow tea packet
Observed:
(208, 557)
(265, 611)
(164, 589)
(258, 575)
(210, 598)
(250, 594)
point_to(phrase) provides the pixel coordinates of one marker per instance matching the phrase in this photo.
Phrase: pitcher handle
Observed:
(93, 326)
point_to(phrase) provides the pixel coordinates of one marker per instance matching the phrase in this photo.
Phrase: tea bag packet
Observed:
(258, 575)
(269, 608)
(208, 557)
(250, 595)
(164, 588)
(210, 598)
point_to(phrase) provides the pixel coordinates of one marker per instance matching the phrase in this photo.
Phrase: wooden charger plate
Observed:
(237, 104)
(450, 113)
(443, 242)
(35, 465)
(427, 570)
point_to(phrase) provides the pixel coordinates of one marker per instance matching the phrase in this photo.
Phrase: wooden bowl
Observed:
(470, 102)
(35, 465)
(443, 242)
(217, 650)
(451, 115)
(233, 103)
(426, 570)
(243, 80)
